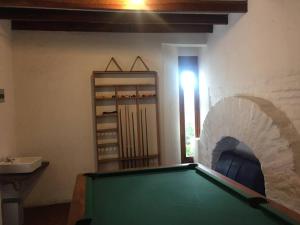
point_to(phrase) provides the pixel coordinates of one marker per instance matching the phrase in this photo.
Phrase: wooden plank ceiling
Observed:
(154, 16)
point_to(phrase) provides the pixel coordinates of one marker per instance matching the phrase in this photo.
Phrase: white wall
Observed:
(53, 97)
(7, 109)
(170, 111)
(258, 54)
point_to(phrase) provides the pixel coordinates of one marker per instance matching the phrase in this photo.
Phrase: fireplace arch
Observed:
(270, 135)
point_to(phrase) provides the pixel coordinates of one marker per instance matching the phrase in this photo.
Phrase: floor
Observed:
(47, 215)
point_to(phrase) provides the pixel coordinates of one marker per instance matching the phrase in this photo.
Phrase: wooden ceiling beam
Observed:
(53, 15)
(100, 27)
(167, 16)
(204, 6)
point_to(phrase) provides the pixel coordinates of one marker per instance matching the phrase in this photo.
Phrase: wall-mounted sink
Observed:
(20, 165)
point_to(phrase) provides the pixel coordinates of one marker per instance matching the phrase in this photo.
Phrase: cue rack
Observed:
(126, 117)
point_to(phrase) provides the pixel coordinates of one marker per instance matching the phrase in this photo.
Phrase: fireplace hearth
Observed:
(237, 161)
(268, 135)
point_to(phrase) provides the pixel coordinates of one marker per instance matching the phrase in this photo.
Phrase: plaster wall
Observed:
(53, 97)
(7, 109)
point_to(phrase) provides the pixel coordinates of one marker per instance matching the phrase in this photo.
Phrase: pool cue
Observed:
(129, 132)
(121, 143)
(126, 141)
(147, 147)
(134, 150)
(142, 130)
(129, 141)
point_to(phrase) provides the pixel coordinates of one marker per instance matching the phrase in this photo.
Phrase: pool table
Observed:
(179, 195)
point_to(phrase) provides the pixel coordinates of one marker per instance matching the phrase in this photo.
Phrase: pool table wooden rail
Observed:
(77, 209)
(288, 212)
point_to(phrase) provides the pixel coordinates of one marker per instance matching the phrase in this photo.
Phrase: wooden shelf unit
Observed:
(112, 94)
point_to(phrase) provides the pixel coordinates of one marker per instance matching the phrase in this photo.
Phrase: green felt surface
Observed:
(168, 198)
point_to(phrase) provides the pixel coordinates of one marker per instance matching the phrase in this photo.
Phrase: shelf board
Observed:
(105, 145)
(123, 85)
(108, 130)
(124, 98)
(108, 160)
(106, 115)
(104, 98)
(139, 158)
(114, 159)
(98, 74)
(145, 97)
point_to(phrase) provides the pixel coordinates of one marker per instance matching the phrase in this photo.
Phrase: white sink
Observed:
(20, 165)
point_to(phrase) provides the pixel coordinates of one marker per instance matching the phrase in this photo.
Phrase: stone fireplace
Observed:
(267, 133)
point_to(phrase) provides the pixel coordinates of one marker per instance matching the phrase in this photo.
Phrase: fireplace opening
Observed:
(235, 160)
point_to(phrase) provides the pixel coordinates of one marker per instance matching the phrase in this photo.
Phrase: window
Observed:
(189, 104)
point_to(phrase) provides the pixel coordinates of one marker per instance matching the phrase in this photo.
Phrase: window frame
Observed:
(190, 63)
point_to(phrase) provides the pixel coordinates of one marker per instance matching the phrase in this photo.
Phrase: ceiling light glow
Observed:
(135, 4)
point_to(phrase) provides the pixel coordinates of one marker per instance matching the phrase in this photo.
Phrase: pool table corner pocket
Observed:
(84, 222)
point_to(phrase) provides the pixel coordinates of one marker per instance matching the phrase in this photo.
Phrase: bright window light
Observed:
(187, 80)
